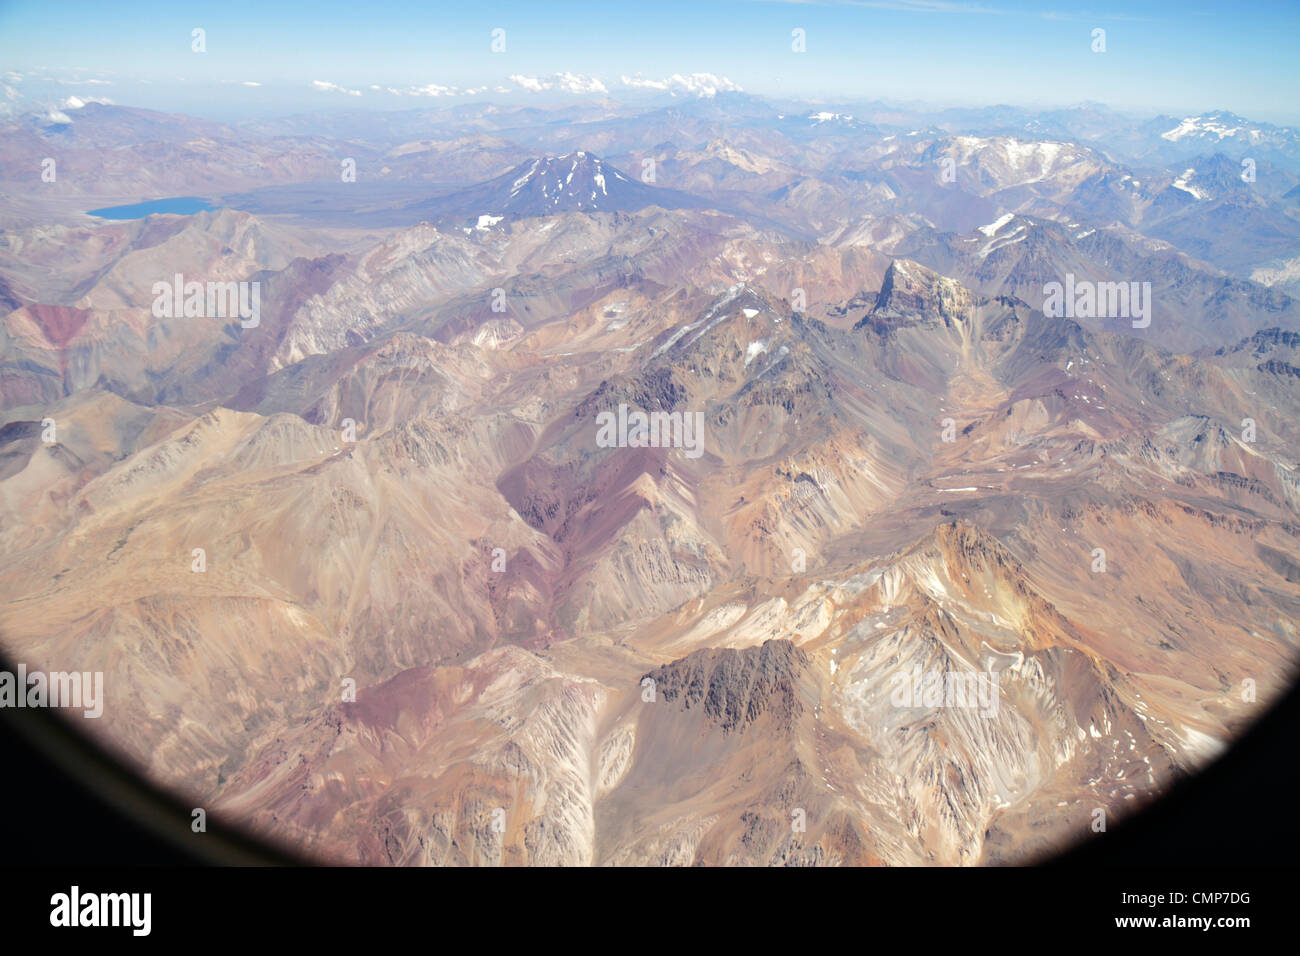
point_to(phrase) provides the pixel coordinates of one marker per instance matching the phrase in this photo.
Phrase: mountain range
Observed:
(366, 576)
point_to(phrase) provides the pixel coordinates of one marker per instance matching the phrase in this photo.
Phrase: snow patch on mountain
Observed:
(1182, 183)
(1205, 126)
(992, 228)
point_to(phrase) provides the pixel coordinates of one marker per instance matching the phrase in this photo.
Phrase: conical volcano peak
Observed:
(574, 181)
(578, 181)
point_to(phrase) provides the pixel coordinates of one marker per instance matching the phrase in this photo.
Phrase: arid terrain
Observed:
(364, 574)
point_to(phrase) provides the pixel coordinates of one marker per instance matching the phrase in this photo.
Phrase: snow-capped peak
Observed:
(577, 180)
(825, 117)
(1217, 125)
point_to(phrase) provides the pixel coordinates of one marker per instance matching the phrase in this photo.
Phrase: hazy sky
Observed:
(1159, 56)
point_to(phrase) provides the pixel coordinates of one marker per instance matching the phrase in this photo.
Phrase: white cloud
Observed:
(577, 83)
(251, 83)
(565, 82)
(644, 84)
(333, 88)
(704, 85)
(429, 89)
(530, 83)
(77, 102)
(57, 117)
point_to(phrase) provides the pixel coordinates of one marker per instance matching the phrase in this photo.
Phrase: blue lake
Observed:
(179, 205)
